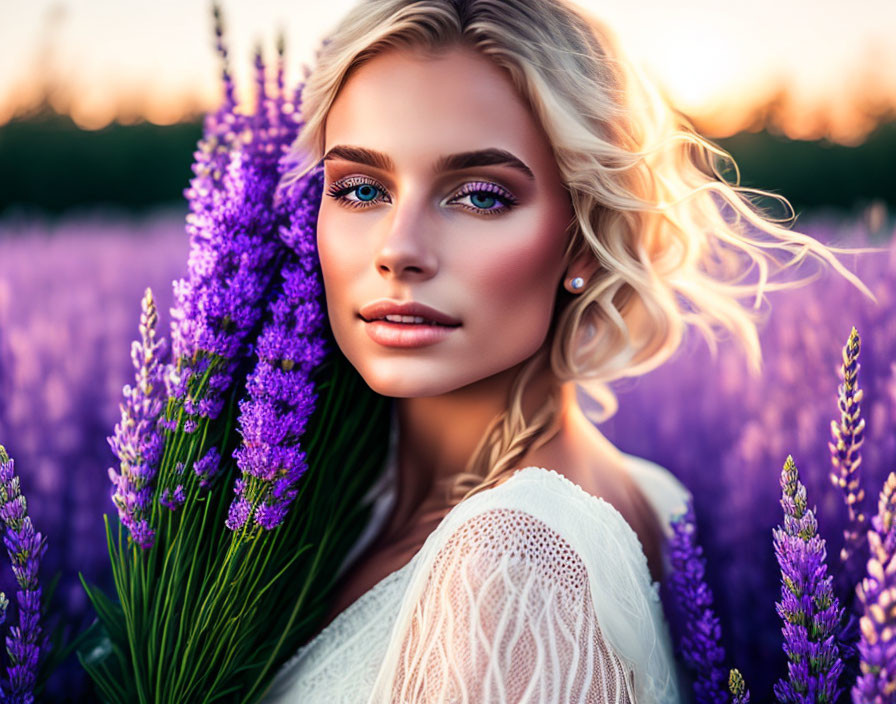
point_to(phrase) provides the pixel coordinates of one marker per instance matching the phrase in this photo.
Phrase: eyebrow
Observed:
(450, 162)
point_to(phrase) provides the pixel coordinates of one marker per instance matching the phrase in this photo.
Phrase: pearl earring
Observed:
(577, 283)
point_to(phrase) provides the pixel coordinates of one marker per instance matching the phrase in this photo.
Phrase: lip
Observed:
(375, 310)
(406, 334)
(391, 334)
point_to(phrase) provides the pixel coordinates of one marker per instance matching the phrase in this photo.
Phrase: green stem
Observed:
(292, 617)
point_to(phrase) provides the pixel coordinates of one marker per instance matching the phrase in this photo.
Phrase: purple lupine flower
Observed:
(281, 395)
(877, 593)
(234, 252)
(738, 688)
(240, 509)
(223, 131)
(275, 122)
(138, 441)
(699, 643)
(173, 499)
(229, 272)
(206, 468)
(808, 606)
(220, 129)
(26, 548)
(846, 459)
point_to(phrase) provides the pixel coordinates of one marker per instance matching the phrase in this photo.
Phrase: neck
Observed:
(438, 435)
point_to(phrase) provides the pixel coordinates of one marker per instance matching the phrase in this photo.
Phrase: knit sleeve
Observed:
(505, 614)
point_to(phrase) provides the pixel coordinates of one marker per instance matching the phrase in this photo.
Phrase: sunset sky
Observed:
(101, 60)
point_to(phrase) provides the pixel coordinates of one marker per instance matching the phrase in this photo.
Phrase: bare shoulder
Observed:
(586, 458)
(613, 483)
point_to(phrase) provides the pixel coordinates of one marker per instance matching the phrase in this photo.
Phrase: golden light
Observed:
(807, 70)
(700, 73)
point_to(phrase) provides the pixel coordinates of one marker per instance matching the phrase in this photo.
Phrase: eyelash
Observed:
(338, 190)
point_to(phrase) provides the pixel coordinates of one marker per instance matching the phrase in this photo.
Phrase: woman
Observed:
(509, 211)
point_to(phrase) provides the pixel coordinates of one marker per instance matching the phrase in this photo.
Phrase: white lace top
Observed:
(532, 591)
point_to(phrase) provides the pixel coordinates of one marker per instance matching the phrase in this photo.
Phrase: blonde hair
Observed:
(649, 197)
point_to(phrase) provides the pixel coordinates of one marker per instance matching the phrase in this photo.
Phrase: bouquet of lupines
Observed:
(246, 452)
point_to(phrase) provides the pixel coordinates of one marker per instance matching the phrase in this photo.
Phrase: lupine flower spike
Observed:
(217, 181)
(221, 128)
(877, 594)
(738, 688)
(280, 389)
(846, 459)
(25, 548)
(699, 642)
(234, 253)
(138, 441)
(206, 468)
(808, 606)
(229, 270)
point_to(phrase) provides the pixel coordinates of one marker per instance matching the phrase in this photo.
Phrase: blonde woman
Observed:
(510, 212)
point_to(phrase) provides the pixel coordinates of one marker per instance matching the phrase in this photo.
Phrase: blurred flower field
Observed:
(727, 435)
(69, 307)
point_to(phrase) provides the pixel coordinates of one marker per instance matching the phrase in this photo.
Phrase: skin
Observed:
(419, 240)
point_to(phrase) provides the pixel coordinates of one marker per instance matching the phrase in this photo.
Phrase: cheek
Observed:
(328, 242)
(515, 281)
(340, 245)
(331, 264)
(339, 264)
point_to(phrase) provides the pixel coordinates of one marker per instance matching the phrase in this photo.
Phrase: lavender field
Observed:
(69, 308)
(727, 435)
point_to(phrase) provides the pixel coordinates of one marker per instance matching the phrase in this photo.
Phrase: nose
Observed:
(406, 251)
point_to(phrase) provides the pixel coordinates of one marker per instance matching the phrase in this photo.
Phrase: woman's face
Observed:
(440, 189)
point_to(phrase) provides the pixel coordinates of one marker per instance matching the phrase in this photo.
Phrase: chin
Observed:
(427, 374)
(401, 382)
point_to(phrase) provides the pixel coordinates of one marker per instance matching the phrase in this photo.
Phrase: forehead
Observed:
(404, 102)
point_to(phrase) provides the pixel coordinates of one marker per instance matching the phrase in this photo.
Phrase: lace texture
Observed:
(506, 616)
(532, 591)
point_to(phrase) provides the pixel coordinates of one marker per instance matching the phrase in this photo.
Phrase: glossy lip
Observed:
(376, 310)
(390, 334)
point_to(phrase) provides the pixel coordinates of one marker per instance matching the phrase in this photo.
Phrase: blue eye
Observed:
(364, 190)
(483, 195)
(480, 197)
